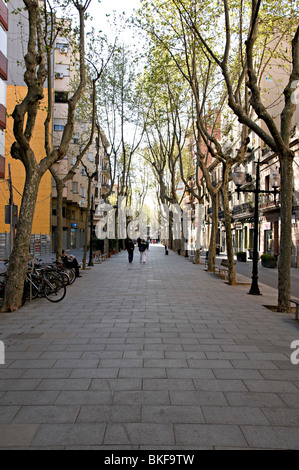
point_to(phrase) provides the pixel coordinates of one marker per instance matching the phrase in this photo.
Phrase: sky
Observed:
(99, 9)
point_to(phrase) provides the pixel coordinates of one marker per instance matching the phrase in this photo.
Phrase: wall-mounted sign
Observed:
(74, 225)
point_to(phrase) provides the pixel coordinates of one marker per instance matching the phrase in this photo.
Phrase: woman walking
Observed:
(142, 249)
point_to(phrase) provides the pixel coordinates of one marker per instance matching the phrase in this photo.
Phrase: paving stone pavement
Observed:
(161, 355)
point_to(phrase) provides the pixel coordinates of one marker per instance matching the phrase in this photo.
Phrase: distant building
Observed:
(75, 193)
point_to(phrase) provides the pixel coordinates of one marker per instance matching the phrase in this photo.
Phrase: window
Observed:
(90, 157)
(63, 69)
(61, 96)
(61, 43)
(75, 187)
(83, 193)
(58, 127)
(76, 138)
(73, 215)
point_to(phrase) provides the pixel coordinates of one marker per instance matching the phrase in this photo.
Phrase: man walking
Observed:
(130, 250)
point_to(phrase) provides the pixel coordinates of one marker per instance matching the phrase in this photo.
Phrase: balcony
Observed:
(75, 198)
(267, 154)
(105, 188)
(106, 170)
(3, 15)
(243, 210)
(267, 203)
(3, 66)
(2, 116)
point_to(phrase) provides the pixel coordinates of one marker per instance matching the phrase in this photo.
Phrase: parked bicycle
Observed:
(70, 272)
(43, 280)
(55, 270)
(42, 283)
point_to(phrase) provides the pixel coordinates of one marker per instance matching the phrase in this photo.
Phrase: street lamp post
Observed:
(239, 179)
(90, 262)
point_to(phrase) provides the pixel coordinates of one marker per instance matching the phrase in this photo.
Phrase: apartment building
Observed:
(273, 82)
(13, 43)
(75, 192)
(3, 80)
(242, 205)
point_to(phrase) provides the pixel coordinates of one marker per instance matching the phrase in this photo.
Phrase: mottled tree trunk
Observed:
(19, 257)
(284, 267)
(59, 199)
(232, 279)
(197, 256)
(86, 224)
(213, 238)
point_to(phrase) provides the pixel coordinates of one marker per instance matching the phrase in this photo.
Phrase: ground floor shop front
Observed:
(268, 235)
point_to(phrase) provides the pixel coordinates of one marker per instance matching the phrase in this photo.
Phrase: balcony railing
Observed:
(2, 116)
(265, 151)
(3, 66)
(3, 15)
(247, 207)
(266, 201)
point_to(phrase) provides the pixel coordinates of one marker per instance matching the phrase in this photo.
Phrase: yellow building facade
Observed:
(41, 221)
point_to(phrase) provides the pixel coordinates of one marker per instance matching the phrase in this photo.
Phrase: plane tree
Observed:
(259, 21)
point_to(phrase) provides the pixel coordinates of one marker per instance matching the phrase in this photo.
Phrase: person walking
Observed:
(142, 250)
(130, 250)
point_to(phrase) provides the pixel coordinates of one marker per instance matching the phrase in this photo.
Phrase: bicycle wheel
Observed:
(65, 278)
(57, 274)
(71, 274)
(54, 290)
